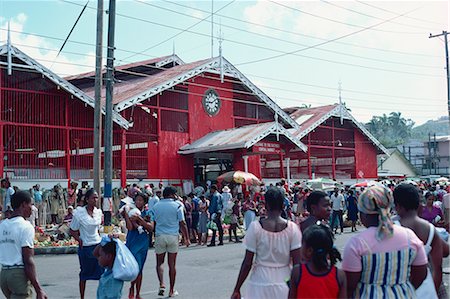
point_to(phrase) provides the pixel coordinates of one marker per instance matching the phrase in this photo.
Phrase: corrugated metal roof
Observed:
(120, 67)
(306, 117)
(127, 89)
(310, 118)
(243, 137)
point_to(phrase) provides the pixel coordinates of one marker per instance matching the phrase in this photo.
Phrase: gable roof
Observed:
(30, 63)
(242, 137)
(396, 151)
(155, 62)
(129, 93)
(124, 91)
(310, 118)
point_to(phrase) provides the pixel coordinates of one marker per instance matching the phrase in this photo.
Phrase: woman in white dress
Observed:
(272, 242)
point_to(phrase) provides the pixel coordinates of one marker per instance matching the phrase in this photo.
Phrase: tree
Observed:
(391, 130)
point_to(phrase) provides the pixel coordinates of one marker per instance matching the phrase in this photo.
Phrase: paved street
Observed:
(201, 273)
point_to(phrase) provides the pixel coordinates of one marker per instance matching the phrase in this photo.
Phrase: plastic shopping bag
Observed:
(125, 266)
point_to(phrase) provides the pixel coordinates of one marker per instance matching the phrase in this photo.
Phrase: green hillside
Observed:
(439, 126)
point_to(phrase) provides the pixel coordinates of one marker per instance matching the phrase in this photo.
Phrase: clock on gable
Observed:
(211, 102)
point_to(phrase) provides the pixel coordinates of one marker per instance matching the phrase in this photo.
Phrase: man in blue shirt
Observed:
(168, 219)
(215, 210)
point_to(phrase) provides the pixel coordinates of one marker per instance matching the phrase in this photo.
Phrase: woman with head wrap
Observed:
(384, 261)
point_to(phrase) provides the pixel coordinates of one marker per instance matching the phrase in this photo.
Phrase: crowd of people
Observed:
(289, 233)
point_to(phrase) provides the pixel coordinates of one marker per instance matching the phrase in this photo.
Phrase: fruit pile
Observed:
(61, 243)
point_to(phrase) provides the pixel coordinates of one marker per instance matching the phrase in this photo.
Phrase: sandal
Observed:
(161, 291)
(175, 293)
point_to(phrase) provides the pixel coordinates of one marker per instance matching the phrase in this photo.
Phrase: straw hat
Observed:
(226, 189)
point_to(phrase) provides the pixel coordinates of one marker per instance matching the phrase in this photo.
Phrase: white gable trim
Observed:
(341, 111)
(173, 58)
(212, 65)
(70, 88)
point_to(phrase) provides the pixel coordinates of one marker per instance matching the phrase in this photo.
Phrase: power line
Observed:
(319, 44)
(297, 101)
(279, 39)
(392, 12)
(305, 35)
(278, 80)
(285, 81)
(343, 23)
(371, 16)
(179, 33)
(274, 50)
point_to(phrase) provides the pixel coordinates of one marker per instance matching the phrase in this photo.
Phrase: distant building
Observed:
(437, 156)
(395, 166)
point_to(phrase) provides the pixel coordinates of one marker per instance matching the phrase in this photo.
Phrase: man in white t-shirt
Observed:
(337, 203)
(17, 250)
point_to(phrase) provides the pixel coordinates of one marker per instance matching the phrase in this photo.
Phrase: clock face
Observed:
(211, 102)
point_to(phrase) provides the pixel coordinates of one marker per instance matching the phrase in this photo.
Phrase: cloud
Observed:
(44, 51)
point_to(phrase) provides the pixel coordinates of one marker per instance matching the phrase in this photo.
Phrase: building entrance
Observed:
(208, 166)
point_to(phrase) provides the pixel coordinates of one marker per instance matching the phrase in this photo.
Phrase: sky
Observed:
(297, 52)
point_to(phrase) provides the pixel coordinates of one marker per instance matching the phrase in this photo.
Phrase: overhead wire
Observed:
(304, 35)
(328, 97)
(293, 82)
(392, 12)
(297, 101)
(343, 23)
(371, 16)
(320, 44)
(179, 33)
(278, 39)
(282, 53)
(259, 76)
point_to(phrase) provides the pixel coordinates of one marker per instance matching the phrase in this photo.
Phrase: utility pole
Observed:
(98, 95)
(109, 98)
(445, 33)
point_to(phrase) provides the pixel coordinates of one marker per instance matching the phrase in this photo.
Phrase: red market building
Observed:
(175, 122)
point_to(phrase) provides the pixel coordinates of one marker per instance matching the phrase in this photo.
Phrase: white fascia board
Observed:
(211, 66)
(173, 58)
(166, 85)
(309, 129)
(212, 148)
(273, 130)
(66, 85)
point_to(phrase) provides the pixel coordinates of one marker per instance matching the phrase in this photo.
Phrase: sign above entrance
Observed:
(267, 148)
(211, 102)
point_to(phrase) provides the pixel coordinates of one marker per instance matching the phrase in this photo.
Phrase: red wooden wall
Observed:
(365, 156)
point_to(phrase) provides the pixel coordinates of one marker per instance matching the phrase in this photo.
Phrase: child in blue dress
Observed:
(108, 286)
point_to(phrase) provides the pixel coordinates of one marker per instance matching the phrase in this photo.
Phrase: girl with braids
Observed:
(318, 277)
(386, 260)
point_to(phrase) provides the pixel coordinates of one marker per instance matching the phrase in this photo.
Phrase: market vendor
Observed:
(69, 216)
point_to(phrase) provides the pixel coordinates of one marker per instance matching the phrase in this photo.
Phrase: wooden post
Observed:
(123, 159)
(67, 143)
(333, 156)
(281, 166)
(309, 156)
